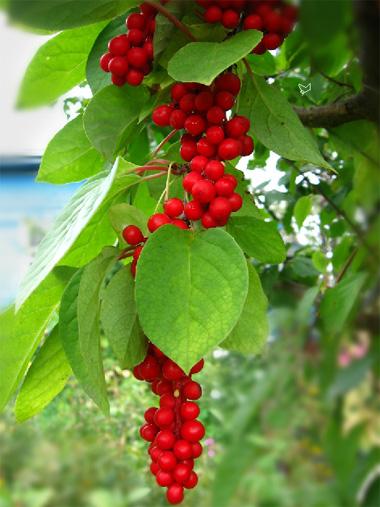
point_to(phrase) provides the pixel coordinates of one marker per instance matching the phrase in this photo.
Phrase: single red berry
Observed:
(188, 462)
(248, 145)
(192, 481)
(203, 101)
(183, 450)
(181, 224)
(188, 150)
(290, 12)
(175, 494)
(192, 431)
(189, 410)
(205, 148)
(189, 181)
(253, 22)
(263, 9)
(163, 417)
(237, 126)
(272, 22)
(132, 235)
(165, 439)
(215, 134)
(270, 41)
(287, 26)
(225, 186)
(137, 373)
(197, 449)
(148, 10)
(214, 170)
(193, 210)
(171, 370)
(225, 100)
(118, 66)
(137, 57)
(192, 390)
(187, 103)
(173, 207)
(216, 115)
(164, 478)
(148, 432)
(135, 77)
(154, 468)
(229, 149)
(149, 414)
(177, 119)
(135, 37)
(220, 209)
(149, 48)
(149, 368)
(208, 222)
(178, 90)
(203, 191)
(195, 125)
(213, 14)
(198, 163)
(154, 451)
(197, 367)
(167, 461)
(167, 400)
(119, 45)
(235, 201)
(161, 115)
(230, 19)
(181, 473)
(136, 20)
(157, 220)
(260, 49)
(104, 61)
(228, 82)
(163, 387)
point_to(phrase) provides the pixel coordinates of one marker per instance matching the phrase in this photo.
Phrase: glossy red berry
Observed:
(163, 417)
(118, 66)
(163, 387)
(188, 150)
(135, 37)
(136, 20)
(230, 19)
(161, 115)
(235, 201)
(229, 149)
(216, 115)
(149, 414)
(237, 126)
(135, 77)
(220, 209)
(199, 163)
(157, 220)
(187, 102)
(215, 135)
(213, 14)
(173, 207)
(165, 439)
(225, 186)
(225, 100)
(203, 101)
(197, 449)
(137, 57)
(248, 145)
(104, 61)
(181, 224)
(164, 479)
(189, 181)
(192, 431)
(192, 481)
(132, 235)
(205, 148)
(181, 473)
(167, 400)
(148, 432)
(149, 368)
(171, 370)
(214, 170)
(167, 461)
(203, 191)
(119, 45)
(271, 41)
(192, 390)
(177, 119)
(208, 221)
(228, 82)
(189, 410)
(195, 125)
(253, 22)
(178, 90)
(175, 494)
(154, 468)
(183, 450)
(193, 210)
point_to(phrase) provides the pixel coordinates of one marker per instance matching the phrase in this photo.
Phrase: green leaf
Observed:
(275, 123)
(57, 66)
(190, 291)
(338, 302)
(258, 239)
(124, 214)
(69, 156)
(203, 61)
(165, 29)
(320, 261)
(62, 14)
(44, 380)
(302, 209)
(251, 331)
(96, 77)
(66, 229)
(110, 116)
(120, 321)
(20, 340)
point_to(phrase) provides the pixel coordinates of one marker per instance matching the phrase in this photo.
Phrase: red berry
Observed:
(215, 135)
(197, 449)
(229, 149)
(220, 209)
(230, 19)
(136, 20)
(216, 115)
(192, 390)
(149, 414)
(228, 82)
(205, 148)
(165, 439)
(135, 77)
(193, 210)
(225, 186)
(149, 368)
(189, 181)
(104, 61)
(181, 473)
(272, 22)
(260, 49)
(178, 90)
(183, 449)
(213, 14)
(177, 119)
(148, 10)
(161, 115)
(189, 410)
(171, 370)
(214, 170)
(119, 45)
(132, 235)
(167, 461)
(197, 367)
(195, 125)
(188, 462)
(225, 100)
(181, 224)
(290, 12)
(235, 201)
(163, 417)
(164, 478)
(286, 26)
(167, 400)
(198, 163)
(208, 222)
(149, 48)
(155, 451)
(187, 103)
(192, 481)
(148, 432)
(192, 431)
(137, 373)
(253, 22)
(118, 80)
(188, 150)
(237, 126)
(157, 220)
(118, 66)
(154, 468)
(173, 207)
(203, 101)
(163, 387)
(272, 41)
(137, 57)
(174, 494)
(203, 191)
(135, 37)
(248, 145)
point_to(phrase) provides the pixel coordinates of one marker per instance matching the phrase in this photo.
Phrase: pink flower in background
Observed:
(344, 358)
(210, 444)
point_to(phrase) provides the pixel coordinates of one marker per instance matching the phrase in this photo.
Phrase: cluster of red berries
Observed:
(172, 429)
(274, 18)
(130, 55)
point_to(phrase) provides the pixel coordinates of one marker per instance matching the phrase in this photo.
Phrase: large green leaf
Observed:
(57, 66)
(338, 301)
(251, 331)
(124, 214)
(165, 29)
(120, 321)
(69, 156)
(45, 379)
(203, 61)
(302, 209)
(275, 124)
(66, 229)
(110, 116)
(190, 291)
(258, 239)
(96, 77)
(19, 341)
(62, 14)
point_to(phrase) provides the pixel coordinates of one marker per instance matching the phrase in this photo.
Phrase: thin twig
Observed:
(347, 264)
(163, 142)
(176, 22)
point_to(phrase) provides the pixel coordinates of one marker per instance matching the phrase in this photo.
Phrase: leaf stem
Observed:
(163, 142)
(176, 22)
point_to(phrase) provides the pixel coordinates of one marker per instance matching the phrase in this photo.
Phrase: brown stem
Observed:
(176, 22)
(346, 266)
(163, 142)
(153, 176)
(150, 168)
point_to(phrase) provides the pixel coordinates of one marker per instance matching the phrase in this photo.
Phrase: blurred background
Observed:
(298, 426)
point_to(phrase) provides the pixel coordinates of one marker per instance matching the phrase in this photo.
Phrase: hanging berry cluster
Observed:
(172, 429)
(274, 18)
(130, 56)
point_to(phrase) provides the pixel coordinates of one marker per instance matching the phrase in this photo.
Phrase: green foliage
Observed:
(190, 300)
(302, 209)
(203, 61)
(45, 379)
(123, 214)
